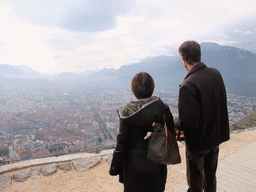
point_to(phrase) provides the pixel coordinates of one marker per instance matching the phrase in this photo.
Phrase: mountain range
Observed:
(237, 66)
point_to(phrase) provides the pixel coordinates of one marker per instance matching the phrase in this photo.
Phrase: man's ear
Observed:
(183, 58)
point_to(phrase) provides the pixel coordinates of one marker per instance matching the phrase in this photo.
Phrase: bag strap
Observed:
(178, 137)
(165, 126)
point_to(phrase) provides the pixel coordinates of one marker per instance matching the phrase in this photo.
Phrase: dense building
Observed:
(55, 122)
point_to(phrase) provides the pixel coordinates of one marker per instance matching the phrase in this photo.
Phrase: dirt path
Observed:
(97, 179)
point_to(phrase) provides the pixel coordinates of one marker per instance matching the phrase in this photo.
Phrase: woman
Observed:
(130, 162)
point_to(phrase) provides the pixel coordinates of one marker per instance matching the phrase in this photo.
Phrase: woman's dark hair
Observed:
(191, 52)
(142, 85)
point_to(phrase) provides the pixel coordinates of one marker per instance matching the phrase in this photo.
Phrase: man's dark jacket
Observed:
(203, 114)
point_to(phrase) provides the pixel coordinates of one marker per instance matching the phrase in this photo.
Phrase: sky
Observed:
(55, 36)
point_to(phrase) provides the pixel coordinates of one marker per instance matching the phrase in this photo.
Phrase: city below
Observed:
(53, 122)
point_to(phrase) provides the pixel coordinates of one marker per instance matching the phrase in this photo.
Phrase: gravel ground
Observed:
(97, 179)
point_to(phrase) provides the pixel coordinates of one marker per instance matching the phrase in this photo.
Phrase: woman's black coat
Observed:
(130, 162)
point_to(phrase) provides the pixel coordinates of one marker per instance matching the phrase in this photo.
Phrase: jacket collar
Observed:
(197, 67)
(134, 107)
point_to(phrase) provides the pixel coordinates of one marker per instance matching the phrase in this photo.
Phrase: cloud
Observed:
(61, 44)
(243, 33)
(79, 15)
(40, 12)
(142, 34)
(23, 44)
(56, 36)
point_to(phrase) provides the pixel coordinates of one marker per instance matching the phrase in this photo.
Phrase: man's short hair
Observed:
(142, 85)
(190, 51)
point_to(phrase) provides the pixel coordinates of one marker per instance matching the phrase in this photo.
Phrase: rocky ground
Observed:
(97, 179)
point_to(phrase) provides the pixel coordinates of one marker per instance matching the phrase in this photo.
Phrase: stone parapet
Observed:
(48, 166)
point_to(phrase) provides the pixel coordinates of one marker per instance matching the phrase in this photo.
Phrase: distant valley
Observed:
(237, 66)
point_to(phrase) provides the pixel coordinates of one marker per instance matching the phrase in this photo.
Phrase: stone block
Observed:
(35, 173)
(21, 176)
(86, 163)
(108, 158)
(49, 169)
(64, 166)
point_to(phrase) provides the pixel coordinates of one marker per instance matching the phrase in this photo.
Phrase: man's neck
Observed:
(189, 67)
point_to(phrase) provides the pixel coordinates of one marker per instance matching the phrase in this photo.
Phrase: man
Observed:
(203, 117)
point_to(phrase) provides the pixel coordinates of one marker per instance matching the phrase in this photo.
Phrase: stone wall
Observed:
(34, 168)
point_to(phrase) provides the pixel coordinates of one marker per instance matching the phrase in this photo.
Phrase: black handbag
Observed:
(162, 145)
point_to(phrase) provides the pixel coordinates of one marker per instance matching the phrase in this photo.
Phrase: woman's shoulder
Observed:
(162, 102)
